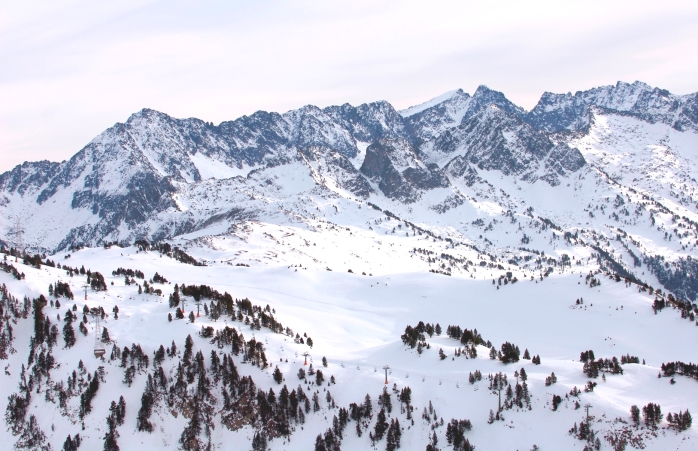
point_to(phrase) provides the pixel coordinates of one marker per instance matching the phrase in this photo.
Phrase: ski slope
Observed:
(356, 322)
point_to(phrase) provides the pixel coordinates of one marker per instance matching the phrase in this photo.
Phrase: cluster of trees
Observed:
(332, 439)
(203, 388)
(157, 278)
(505, 279)
(393, 430)
(59, 289)
(252, 351)
(236, 309)
(475, 377)
(88, 395)
(591, 280)
(96, 281)
(148, 289)
(509, 353)
(361, 414)
(133, 360)
(688, 310)
(72, 443)
(550, 380)
(466, 336)
(305, 339)
(40, 362)
(593, 367)
(680, 421)
(627, 358)
(414, 336)
(128, 272)
(10, 269)
(117, 412)
(455, 434)
(651, 414)
(168, 250)
(68, 331)
(585, 433)
(11, 309)
(680, 368)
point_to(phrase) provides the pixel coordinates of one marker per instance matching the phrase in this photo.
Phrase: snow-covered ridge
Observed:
(478, 169)
(407, 112)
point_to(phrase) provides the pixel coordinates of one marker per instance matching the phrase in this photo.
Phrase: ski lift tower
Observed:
(305, 354)
(85, 287)
(386, 368)
(99, 346)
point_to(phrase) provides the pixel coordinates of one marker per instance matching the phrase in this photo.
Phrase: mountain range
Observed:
(604, 174)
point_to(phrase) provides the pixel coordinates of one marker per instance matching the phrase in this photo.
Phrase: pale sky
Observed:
(70, 69)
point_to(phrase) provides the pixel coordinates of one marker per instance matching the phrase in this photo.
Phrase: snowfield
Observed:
(356, 322)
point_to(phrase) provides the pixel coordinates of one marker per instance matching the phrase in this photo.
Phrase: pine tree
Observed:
(259, 442)
(68, 331)
(105, 335)
(112, 434)
(147, 400)
(320, 444)
(652, 414)
(381, 425)
(278, 377)
(635, 415)
(121, 411)
(71, 443)
(385, 401)
(367, 406)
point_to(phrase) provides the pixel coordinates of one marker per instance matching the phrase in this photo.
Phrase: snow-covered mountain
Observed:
(614, 157)
(216, 257)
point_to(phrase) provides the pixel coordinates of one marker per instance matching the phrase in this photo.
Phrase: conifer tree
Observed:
(278, 377)
(381, 425)
(635, 415)
(111, 435)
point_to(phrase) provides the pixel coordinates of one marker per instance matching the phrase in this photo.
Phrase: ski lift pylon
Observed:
(99, 346)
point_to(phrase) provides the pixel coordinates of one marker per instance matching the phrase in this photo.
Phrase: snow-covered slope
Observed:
(561, 230)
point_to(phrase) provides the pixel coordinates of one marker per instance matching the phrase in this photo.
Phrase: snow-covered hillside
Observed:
(352, 223)
(355, 322)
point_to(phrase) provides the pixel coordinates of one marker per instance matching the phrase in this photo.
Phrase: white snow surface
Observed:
(356, 322)
(407, 112)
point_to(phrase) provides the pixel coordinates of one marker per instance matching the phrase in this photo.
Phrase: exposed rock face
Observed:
(555, 112)
(400, 175)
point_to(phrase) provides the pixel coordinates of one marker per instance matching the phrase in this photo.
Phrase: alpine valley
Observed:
(162, 288)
